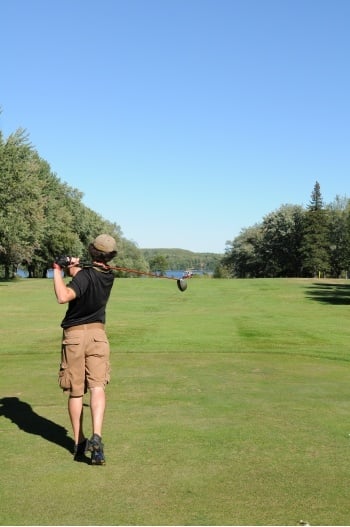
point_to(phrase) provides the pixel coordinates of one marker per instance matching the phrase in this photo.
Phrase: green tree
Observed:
(315, 244)
(339, 236)
(281, 242)
(316, 202)
(242, 258)
(159, 264)
(181, 259)
(41, 217)
(21, 201)
(60, 234)
(130, 257)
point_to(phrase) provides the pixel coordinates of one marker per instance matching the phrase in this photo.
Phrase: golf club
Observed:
(65, 261)
(181, 284)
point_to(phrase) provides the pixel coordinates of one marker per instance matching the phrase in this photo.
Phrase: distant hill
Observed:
(181, 259)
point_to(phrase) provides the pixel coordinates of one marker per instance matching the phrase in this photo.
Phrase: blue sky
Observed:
(183, 121)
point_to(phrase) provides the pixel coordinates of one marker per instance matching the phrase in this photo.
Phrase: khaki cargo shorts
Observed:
(84, 359)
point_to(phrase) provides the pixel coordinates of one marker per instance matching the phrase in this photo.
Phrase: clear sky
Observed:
(183, 121)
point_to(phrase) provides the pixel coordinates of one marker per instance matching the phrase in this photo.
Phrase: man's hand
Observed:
(63, 262)
(63, 293)
(73, 268)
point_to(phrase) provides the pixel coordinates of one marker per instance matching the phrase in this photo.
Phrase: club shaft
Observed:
(134, 271)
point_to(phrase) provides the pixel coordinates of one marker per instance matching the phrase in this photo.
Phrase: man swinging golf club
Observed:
(85, 347)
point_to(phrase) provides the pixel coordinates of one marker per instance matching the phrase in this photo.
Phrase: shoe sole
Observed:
(98, 463)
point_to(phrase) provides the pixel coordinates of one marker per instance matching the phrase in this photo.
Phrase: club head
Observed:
(181, 284)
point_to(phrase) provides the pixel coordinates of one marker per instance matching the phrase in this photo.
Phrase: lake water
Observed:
(174, 274)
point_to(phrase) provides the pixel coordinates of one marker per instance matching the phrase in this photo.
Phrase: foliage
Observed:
(281, 237)
(131, 258)
(316, 202)
(242, 259)
(315, 247)
(294, 242)
(180, 259)
(159, 264)
(22, 203)
(42, 217)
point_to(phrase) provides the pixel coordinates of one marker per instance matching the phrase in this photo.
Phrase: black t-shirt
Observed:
(92, 287)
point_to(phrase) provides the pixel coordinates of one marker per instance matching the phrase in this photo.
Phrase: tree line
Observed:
(294, 241)
(41, 217)
(180, 260)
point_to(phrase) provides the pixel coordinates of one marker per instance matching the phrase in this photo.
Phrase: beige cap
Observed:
(105, 243)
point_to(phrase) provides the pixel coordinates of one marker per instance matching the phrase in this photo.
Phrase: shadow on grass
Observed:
(22, 414)
(336, 294)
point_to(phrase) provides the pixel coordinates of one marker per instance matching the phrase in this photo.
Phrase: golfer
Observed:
(85, 347)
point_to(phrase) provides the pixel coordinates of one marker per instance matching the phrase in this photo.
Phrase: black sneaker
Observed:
(96, 448)
(80, 449)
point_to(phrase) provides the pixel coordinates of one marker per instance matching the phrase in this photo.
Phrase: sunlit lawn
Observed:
(229, 405)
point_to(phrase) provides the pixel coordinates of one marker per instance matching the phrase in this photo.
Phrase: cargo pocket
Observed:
(100, 336)
(64, 378)
(100, 346)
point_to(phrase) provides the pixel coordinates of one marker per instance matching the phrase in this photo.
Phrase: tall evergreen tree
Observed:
(316, 202)
(315, 243)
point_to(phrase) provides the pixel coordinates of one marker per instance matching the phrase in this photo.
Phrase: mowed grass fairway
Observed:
(229, 405)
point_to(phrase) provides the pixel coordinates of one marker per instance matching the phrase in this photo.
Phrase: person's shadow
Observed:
(22, 414)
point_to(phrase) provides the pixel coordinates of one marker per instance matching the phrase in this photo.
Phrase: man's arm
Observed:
(63, 293)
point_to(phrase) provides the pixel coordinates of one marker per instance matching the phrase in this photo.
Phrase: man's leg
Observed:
(75, 410)
(97, 406)
(97, 376)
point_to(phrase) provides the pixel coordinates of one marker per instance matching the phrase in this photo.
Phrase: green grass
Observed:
(229, 405)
